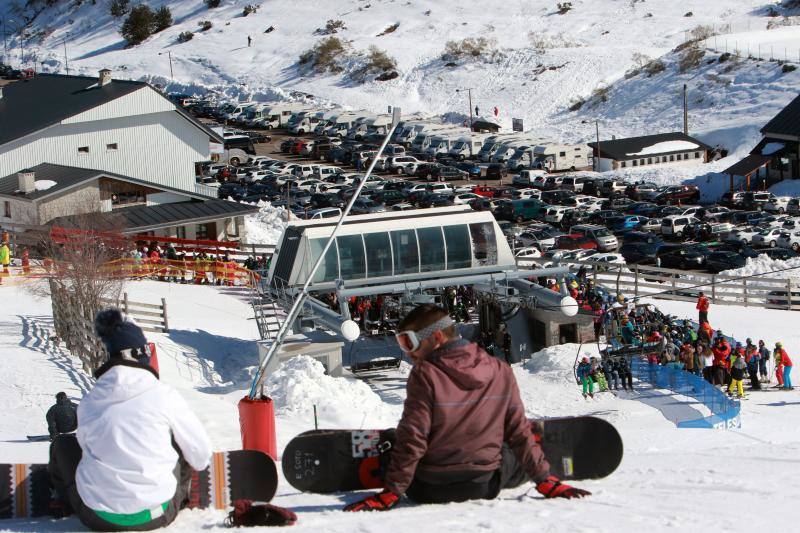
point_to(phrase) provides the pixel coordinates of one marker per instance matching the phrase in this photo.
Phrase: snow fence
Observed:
(725, 412)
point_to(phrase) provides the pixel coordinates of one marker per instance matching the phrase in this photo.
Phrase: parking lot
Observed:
(545, 215)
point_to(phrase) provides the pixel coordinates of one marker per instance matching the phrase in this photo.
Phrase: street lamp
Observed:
(469, 93)
(169, 53)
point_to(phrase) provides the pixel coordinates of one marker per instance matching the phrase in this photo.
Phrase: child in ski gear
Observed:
(777, 353)
(127, 469)
(738, 366)
(611, 374)
(785, 364)
(721, 350)
(584, 372)
(763, 353)
(61, 418)
(463, 434)
(752, 356)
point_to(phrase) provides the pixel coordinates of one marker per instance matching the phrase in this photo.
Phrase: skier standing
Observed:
(463, 434)
(763, 353)
(777, 353)
(127, 469)
(738, 366)
(61, 418)
(786, 365)
(702, 308)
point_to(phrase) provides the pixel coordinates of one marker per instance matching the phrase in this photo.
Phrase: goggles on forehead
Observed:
(409, 341)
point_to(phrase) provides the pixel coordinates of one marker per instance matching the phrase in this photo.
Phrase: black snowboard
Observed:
(345, 460)
(242, 474)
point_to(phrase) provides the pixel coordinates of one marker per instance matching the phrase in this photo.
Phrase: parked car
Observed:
(522, 210)
(732, 199)
(789, 240)
(674, 225)
(640, 252)
(684, 258)
(362, 206)
(685, 194)
(783, 254)
(575, 241)
(767, 237)
(778, 204)
(496, 171)
(756, 201)
(638, 191)
(724, 260)
(605, 240)
(525, 255)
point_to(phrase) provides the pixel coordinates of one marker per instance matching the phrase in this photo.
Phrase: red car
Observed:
(575, 241)
(486, 192)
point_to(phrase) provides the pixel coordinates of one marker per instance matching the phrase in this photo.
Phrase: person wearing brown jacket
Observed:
(463, 434)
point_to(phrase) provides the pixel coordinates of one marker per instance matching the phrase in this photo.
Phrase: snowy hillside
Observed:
(208, 356)
(535, 63)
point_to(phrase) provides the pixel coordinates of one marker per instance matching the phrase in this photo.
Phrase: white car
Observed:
(595, 204)
(310, 185)
(539, 181)
(304, 171)
(524, 194)
(526, 255)
(555, 214)
(768, 237)
(789, 239)
(714, 210)
(403, 207)
(402, 164)
(743, 235)
(609, 258)
(778, 204)
(465, 198)
(418, 187)
(440, 188)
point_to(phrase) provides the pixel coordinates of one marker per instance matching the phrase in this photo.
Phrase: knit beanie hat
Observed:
(122, 339)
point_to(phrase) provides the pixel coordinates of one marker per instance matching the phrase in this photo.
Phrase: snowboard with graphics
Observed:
(25, 489)
(344, 460)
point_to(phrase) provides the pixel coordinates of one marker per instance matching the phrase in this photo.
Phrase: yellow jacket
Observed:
(5, 255)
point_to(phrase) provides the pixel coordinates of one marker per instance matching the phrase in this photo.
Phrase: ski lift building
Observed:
(391, 248)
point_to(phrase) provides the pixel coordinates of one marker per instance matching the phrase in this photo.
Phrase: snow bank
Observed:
(266, 226)
(301, 383)
(768, 268)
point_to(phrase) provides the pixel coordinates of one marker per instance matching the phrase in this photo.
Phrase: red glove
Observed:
(553, 488)
(383, 501)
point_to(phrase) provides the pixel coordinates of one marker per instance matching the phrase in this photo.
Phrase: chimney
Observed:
(105, 78)
(27, 181)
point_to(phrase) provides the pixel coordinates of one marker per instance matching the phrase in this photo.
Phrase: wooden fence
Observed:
(74, 324)
(651, 281)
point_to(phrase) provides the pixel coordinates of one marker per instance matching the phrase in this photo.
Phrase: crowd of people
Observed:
(700, 350)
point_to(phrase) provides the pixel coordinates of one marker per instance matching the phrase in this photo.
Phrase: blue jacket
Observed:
(584, 370)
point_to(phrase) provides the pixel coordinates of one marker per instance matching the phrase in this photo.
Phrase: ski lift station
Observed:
(410, 255)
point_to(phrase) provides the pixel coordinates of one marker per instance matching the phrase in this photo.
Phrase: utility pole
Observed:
(685, 112)
(169, 53)
(66, 62)
(597, 134)
(5, 42)
(469, 95)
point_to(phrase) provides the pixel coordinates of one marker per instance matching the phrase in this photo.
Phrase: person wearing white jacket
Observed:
(127, 469)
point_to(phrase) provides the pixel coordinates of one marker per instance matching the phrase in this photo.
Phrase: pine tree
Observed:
(139, 25)
(162, 19)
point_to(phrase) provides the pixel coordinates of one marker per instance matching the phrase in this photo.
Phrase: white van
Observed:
(467, 146)
(526, 177)
(606, 241)
(559, 157)
(325, 212)
(675, 225)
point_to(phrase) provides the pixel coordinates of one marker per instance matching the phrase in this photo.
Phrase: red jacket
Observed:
(721, 352)
(784, 358)
(703, 303)
(461, 406)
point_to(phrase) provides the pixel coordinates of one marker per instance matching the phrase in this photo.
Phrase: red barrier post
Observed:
(153, 355)
(257, 424)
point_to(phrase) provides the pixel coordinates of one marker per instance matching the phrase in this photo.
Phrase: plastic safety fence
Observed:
(725, 412)
(190, 271)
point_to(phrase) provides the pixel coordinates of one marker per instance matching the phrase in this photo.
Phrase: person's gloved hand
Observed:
(553, 488)
(382, 501)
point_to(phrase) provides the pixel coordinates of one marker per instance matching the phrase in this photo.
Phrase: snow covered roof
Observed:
(36, 103)
(51, 180)
(787, 122)
(748, 165)
(635, 147)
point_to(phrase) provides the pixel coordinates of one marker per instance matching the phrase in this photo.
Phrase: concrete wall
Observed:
(22, 212)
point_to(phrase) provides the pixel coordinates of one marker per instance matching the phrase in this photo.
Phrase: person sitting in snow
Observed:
(463, 434)
(61, 418)
(127, 467)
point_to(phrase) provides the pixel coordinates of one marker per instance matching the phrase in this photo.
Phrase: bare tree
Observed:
(84, 274)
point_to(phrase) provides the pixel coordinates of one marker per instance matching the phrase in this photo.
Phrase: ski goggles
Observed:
(409, 340)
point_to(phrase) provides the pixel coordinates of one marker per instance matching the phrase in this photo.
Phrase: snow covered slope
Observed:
(538, 62)
(669, 480)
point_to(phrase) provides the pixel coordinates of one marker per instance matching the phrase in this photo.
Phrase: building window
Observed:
(622, 164)
(202, 231)
(180, 232)
(329, 268)
(649, 160)
(352, 260)
(406, 252)
(83, 149)
(379, 254)
(635, 163)
(641, 162)
(111, 147)
(459, 253)
(431, 249)
(697, 155)
(7, 209)
(672, 158)
(562, 154)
